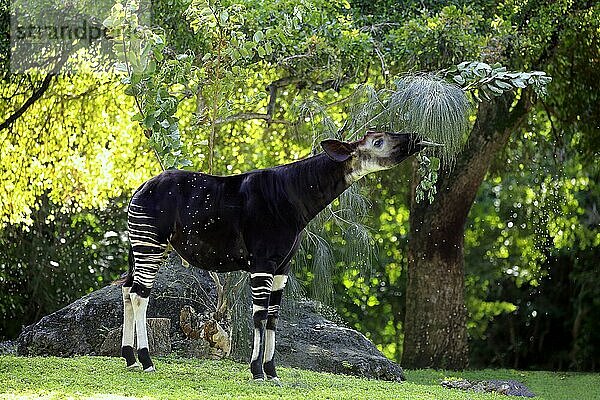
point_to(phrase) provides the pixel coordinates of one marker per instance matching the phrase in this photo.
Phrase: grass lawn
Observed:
(106, 378)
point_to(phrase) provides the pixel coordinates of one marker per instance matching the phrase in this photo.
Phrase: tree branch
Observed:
(249, 116)
(35, 96)
(273, 89)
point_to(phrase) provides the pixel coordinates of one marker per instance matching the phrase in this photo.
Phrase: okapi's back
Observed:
(198, 215)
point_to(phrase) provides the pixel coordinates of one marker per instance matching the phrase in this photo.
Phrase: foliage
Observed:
(431, 40)
(428, 173)
(151, 80)
(494, 80)
(68, 151)
(424, 104)
(55, 378)
(525, 227)
(59, 258)
(392, 240)
(65, 175)
(436, 110)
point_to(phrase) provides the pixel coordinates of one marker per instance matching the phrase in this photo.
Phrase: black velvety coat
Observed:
(250, 221)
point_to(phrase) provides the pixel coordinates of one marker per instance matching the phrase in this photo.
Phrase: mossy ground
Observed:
(106, 378)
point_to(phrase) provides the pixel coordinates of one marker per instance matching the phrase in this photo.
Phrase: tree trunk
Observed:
(435, 324)
(435, 333)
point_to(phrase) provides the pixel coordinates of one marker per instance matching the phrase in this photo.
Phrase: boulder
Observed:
(310, 341)
(305, 338)
(82, 326)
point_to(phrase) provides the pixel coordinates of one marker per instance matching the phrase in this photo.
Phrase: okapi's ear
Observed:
(337, 150)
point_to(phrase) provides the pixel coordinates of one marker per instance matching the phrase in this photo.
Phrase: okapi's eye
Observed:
(378, 142)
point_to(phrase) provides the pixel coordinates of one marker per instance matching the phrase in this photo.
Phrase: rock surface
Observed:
(505, 387)
(8, 348)
(314, 342)
(308, 340)
(159, 338)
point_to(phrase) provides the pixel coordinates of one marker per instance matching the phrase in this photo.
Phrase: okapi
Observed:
(251, 221)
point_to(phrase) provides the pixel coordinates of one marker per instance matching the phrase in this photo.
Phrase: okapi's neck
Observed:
(314, 183)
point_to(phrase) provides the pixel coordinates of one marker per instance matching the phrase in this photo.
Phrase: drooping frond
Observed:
(239, 300)
(313, 115)
(316, 256)
(367, 109)
(433, 108)
(426, 104)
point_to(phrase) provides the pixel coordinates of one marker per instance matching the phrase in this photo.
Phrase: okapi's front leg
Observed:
(279, 282)
(261, 283)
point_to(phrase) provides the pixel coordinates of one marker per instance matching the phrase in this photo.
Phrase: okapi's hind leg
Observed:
(148, 250)
(140, 306)
(128, 330)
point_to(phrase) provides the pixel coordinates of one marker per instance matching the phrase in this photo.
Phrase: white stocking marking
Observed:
(256, 347)
(128, 319)
(279, 282)
(140, 305)
(269, 345)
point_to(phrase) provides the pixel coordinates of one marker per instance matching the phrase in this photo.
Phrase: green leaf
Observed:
(495, 90)
(503, 85)
(482, 70)
(485, 92)
(258, 36)
(459, 79)
(518, 82)
(132, 90)
(151, 67)
(224, 17)
(184, 162)
(121, 67)
(149, 121)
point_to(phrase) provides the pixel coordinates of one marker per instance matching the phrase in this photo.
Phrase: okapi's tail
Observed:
(127, 277)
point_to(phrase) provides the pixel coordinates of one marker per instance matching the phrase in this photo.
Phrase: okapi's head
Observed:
(376, 151)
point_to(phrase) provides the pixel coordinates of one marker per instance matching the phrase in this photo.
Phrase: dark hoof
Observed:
(269, 368)
(144, 357)
(257, 372)
(129, 356)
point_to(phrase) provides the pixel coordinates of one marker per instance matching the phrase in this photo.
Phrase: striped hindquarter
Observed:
(148, 251)
(147, 247)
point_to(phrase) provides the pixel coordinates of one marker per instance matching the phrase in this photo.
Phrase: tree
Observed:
(435, 325)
